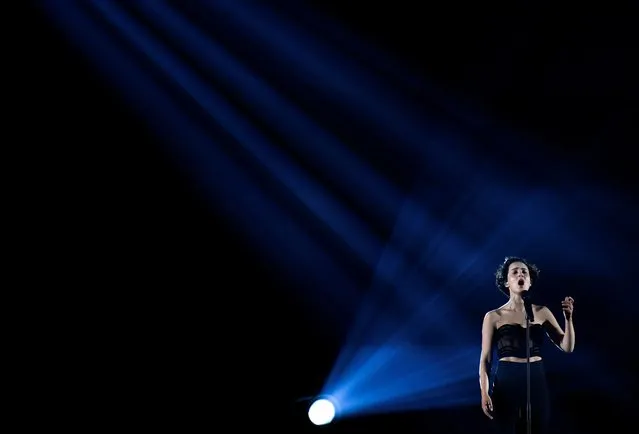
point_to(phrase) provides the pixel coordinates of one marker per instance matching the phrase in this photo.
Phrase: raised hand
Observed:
(568, 306)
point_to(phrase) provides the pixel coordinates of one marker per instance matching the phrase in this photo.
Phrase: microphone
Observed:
(528, 305)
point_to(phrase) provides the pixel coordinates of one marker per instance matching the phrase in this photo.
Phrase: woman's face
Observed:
(518, 279)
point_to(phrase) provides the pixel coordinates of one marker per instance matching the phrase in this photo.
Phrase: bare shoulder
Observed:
(541, 309)
(499, 312)
(492, 316)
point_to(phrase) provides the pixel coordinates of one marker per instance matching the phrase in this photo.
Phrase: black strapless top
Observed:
(510, 340)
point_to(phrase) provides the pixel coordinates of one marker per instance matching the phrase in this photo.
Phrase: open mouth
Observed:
(521, 282)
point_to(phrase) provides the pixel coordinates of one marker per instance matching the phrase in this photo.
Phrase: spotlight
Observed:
(321, 411)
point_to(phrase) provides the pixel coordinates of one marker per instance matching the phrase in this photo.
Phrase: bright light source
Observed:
(321, 412)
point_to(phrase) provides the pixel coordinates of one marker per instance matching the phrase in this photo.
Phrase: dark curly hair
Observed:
(501, 275)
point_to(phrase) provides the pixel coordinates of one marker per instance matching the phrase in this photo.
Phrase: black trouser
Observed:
(509, 398)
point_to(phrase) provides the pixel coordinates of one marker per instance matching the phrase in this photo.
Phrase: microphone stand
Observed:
(528, 409)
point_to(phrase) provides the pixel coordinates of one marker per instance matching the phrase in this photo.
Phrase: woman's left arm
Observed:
(563, 339)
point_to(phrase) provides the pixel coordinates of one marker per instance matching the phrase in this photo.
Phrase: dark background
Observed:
(139, 251)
